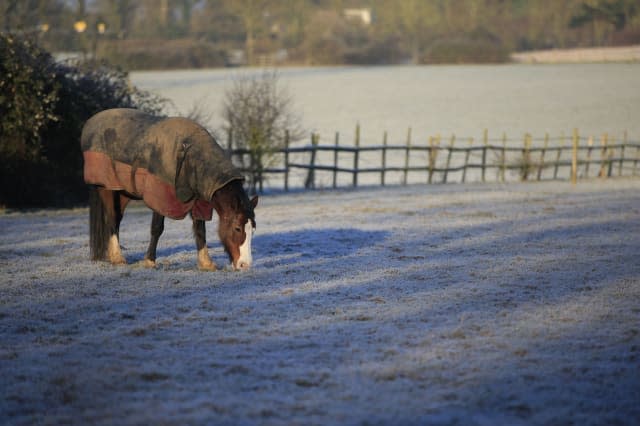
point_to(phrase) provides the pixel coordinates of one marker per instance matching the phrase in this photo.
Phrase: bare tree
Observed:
(259, 116)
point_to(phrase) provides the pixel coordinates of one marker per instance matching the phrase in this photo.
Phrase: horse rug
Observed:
(173, 164)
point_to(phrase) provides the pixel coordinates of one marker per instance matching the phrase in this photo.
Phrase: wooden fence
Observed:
(445, 161)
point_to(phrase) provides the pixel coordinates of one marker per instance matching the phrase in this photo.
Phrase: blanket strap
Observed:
(182, 154)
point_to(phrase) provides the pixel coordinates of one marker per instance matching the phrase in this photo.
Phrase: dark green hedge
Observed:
(164, 54)
(465, 50)
(43, 106)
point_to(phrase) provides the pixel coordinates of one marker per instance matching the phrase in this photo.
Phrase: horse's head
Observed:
(237, 223)
(201, 165)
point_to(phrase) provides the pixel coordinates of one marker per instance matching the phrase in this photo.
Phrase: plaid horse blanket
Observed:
(173, 164)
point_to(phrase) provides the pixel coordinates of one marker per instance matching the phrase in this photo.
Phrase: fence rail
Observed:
(334, 165)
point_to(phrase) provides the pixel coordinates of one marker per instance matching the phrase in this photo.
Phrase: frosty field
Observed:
(473, 304)
(432, 100)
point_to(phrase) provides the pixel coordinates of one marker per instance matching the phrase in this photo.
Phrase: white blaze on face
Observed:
(244, 261)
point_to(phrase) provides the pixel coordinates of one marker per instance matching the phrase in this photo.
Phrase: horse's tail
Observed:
(98, 226)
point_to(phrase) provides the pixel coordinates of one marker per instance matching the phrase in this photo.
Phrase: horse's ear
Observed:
(183, 174)
(254, 202)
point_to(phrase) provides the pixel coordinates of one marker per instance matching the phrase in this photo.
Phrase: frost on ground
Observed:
(474, 305)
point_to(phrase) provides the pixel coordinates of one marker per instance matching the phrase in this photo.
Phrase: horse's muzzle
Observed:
(242, 265)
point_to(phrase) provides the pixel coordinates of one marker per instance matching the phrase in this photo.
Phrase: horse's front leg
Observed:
(204, 261)
(157, 227)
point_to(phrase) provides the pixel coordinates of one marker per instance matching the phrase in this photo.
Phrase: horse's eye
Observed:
(237, 229)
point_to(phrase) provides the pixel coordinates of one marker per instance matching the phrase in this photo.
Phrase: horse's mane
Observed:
(236, 197)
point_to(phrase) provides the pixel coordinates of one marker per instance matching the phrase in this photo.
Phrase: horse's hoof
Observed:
(118, 261)
(211, 267)
(204, 261)
(149, 264)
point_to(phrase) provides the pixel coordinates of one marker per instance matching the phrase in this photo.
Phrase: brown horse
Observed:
(176, 167)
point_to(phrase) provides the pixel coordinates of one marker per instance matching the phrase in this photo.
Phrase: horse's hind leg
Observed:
(157, 226)
(204, 261)
(114, 205)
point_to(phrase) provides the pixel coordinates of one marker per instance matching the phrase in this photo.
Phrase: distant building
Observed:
(236, 58)
(363, 15)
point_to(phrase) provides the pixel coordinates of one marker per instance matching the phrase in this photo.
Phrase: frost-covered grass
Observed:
(475, 304)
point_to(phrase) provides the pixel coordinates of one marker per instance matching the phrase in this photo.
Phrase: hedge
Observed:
(43, 106)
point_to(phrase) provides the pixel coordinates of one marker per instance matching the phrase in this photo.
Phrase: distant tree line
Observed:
(199, 33)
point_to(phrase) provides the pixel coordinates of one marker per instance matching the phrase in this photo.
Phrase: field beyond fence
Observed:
(444, 160)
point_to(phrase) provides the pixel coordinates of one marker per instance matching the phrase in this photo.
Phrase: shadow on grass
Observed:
(328, 243)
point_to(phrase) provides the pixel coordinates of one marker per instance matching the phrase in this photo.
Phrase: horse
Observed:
(175, 167)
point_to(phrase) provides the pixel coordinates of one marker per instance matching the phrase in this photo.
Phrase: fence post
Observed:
(286, 160)
(622, 146)
(574, 158)
(466, 161)
(356, 154)
(335, 160)
(612, 153)
(310, 181)
(435, 158)
(485, 140)
(526, 158)
(542, 154)
(261, 175)
(449, 154)
(609, 154)
(430, 158)
(230, 140)
(384, 158)
(635, 163)
(625, 141)
(252, 168)
(604, 141)
(588, 163)
(503, 157)
(406, 157)
(558, 154)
